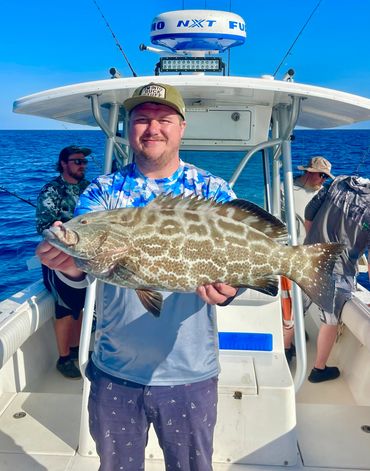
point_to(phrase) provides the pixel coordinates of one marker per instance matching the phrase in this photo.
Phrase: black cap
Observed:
(67, 151)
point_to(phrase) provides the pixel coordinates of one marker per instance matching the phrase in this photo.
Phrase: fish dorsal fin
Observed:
(191, 202)
(238, 209)
(258, 218)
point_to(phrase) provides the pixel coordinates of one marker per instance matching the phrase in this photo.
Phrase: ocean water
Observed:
(27, 162)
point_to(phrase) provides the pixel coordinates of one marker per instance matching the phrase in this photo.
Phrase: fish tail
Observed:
(311, 267)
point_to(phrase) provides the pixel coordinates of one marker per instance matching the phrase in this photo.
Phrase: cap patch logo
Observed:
(154, 91)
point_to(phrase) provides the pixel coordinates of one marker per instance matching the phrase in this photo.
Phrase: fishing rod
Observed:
(17, 196)
(362, 161)
(296, 39)
(116, 40)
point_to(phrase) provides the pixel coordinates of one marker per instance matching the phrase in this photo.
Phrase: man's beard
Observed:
(77, 176)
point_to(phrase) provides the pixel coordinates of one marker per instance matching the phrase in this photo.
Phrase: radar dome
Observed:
(198, 30)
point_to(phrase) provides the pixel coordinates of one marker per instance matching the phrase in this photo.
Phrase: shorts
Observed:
(344, 288)
(69, 301)
(121, 412)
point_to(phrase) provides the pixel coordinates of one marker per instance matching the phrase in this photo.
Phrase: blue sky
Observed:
(47, 44)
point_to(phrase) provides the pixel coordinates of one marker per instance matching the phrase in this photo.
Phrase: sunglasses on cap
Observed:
(79, 161)
(324, 176)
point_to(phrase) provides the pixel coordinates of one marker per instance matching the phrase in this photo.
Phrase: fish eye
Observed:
(83, 221)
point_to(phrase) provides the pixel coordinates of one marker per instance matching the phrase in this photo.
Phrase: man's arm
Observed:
(47, 208)
(314, 204)
(313, 207)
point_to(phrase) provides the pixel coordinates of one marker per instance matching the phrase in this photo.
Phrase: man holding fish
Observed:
(168, 241)
(145, 369)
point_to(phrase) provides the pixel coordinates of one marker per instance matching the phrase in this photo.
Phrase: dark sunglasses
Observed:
(324, 176)
(79, 161)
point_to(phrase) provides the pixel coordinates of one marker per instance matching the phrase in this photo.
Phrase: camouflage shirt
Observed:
(57, 201)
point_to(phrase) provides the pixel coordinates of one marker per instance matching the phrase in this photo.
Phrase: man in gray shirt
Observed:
(340, 213)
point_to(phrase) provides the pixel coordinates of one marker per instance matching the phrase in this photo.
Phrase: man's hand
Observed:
(58, 260)
(217, 293)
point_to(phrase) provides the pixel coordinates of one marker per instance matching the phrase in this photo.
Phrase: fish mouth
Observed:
(61, 236)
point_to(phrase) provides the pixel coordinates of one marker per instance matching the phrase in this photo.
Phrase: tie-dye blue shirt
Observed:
(179, 347)
(130, 188)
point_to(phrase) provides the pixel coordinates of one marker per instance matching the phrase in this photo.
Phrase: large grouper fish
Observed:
(180, 243)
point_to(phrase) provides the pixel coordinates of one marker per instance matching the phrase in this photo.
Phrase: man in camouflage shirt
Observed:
(56, 202)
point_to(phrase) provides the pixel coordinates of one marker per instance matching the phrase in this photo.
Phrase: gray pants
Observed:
(183, 416)
(344, 288)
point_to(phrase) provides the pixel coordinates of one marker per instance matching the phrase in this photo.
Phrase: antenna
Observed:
(296, 39)
(116, 40)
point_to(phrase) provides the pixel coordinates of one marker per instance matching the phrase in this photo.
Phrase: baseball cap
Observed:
(67, 151)
(318, 164)
(157, 93)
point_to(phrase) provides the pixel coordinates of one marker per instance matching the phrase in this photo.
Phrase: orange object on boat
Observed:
(286, 302)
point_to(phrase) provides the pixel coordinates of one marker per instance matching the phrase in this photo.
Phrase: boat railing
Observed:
(112, 141)
(249, 155)
(85, 441)
(21, 316)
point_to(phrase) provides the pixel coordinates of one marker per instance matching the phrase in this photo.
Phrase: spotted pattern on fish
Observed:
(178, 244)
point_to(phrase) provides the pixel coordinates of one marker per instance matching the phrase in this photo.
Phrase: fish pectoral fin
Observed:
(151, 300)
(267, 285)
(104, 262)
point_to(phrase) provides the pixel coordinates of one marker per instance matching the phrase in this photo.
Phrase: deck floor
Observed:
(45, 440)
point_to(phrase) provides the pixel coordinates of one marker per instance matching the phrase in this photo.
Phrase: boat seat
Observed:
(356, 316)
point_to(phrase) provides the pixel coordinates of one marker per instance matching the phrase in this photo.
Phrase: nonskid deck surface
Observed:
(48, 438)
(10, 462)
(329, 429)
